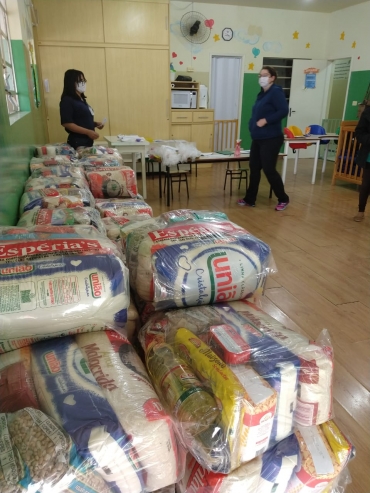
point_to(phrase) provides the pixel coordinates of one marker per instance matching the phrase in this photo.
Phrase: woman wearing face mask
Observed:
(267, 138)
(76, 116)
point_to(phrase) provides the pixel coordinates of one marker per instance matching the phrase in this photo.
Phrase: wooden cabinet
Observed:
(194, 126)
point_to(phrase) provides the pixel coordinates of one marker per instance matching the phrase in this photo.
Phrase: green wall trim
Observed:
(20, 69)
(250, 91)
(358, 85)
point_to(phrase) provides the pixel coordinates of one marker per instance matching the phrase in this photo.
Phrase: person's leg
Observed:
(363, 195)
(255, 167)
(269, 152)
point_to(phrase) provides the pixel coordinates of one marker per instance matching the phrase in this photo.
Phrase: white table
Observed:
(307, 140)
(131, 147)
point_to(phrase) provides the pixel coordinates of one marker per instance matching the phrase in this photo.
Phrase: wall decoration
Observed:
(216, 37)
(273, 46)
(209, 23)
(255, 52)
(308, 45)
(181, 63)
(310, 81)
(354, 44)
(246, 38)
(174, 55)
(251, 66)
(227, 34)
(342, 36)
(295, 35)
(194, 57)
(255, 30)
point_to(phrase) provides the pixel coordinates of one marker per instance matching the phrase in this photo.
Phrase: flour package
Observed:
(55, 182)
(125, 384)
(277, 466)
(58, 170)
(324, 453)
(198, 480)
(112, 182)
(122, 207)
(52, 150)
(68, 392)
(50, 198)
(56, 281)
(61, 217)
(196, 263)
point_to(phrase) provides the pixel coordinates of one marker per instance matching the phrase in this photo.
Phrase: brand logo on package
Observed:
(222, 285)
(18, 269)
(52, 363)
(217, 230)
(22, 249)
(96, 285)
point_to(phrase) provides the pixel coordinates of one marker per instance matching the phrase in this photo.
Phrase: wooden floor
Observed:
(323, 261)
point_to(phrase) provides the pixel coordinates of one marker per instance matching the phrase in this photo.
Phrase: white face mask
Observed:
(81, 87)
(264, 81)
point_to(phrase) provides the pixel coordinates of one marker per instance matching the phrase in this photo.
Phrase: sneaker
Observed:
(244, 203)
(281, 206)
(360, 216)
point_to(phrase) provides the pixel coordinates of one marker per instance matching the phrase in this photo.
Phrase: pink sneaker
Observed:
(244, 203)
(281, 206)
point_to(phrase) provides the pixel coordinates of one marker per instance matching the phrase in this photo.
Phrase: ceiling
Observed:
(302, 5)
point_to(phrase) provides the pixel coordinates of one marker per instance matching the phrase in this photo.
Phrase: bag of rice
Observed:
(61, 217)
(50, 198)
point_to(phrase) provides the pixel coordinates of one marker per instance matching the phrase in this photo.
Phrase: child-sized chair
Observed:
(319, 130)
(178, 175)
(235, 173)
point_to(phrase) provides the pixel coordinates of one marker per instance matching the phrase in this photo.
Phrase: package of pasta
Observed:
(125, 384)
(122, 207)
(119, 226)
(58, 170)
(198, 480)
(59, 280)
(53, 181)
(100, 151)
(62, 217)
(69, 393)
(197, 263)
(52, 150)
(112, 182)
(324, 453)
(51, 198)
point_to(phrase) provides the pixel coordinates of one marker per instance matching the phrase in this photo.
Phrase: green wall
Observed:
(250, 91)
(17, 143)
(357, 88)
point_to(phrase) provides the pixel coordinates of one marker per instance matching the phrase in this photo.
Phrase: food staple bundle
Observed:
(51, 198)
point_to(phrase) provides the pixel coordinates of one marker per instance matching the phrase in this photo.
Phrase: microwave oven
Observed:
(183, 99)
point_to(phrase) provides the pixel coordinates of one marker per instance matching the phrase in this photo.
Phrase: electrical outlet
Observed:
(354, 103)
(190, 69)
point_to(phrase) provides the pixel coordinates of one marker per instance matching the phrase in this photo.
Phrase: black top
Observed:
(272, 105)
(362, 134)
(76, 111)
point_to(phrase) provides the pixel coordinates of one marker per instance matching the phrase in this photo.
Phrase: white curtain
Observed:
(225, 87)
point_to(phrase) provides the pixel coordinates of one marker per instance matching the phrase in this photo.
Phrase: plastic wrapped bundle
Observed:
(44, 182)
(89, 163)
(182, 215)
(53, 150)
(60, 170)
(112, 182)
(126, 386)
(133, 322)
(100, 151)
(50, 198)
(324, 453)
(196, 263)
(119, 226)
(277, 466)
(46, 161)
(198, 480)
(61, 217)
(59, 280)
(69, 393)
(121, 207)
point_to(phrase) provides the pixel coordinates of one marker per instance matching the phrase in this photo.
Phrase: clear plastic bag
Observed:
(196, 263)
(119, 227)
(55, 182)
(57, 281)
(89, 163)
(112, 182)
(60, 170)
(122, 207)
(50, 198)
(62, 217)
(46, 161)
(53, 150)
(99, 151)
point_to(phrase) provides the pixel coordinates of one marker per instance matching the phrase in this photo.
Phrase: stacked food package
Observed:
(222, 399)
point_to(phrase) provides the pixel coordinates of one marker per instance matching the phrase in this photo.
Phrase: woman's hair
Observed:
(271, 71)
(72, 76)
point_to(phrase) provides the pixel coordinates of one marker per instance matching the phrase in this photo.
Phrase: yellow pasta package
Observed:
(225, 386)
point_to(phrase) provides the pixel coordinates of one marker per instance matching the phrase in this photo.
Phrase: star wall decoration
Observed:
(354, 44)
(295, 35)
(216, 37)
(342, 36)
(251, 66)
(308, 45)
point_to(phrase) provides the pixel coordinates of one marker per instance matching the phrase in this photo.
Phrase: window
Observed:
(7, 62)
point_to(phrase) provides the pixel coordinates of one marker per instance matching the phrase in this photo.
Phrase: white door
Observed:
(307, 106)
(225, 97)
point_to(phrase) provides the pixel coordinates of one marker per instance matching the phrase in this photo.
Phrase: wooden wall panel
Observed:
(135, 23)
(55, 60)
(138, 92)
(70, 20)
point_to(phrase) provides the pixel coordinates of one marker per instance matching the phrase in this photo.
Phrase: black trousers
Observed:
(364, 190)
(79, 140)
(263, 156)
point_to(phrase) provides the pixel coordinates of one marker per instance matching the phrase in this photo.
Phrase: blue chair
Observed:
(319, 130)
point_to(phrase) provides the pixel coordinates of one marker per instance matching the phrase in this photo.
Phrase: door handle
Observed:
(291, 111)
